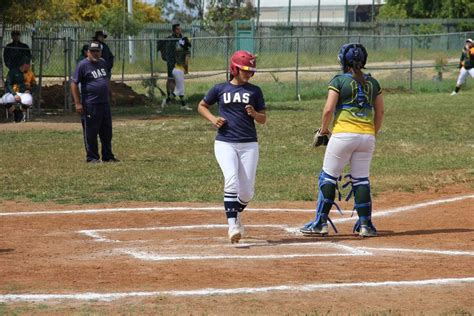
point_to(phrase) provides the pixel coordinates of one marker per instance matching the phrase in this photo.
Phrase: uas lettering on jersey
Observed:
(236, 98)
(99, 73)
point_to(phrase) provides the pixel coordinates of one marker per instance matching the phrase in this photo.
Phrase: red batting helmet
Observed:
(244, 60)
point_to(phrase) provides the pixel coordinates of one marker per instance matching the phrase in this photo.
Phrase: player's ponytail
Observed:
(358, 74)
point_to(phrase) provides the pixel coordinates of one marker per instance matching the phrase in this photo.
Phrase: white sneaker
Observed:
(234, 235)
(187, 108)
(454, 93)
(236, 232)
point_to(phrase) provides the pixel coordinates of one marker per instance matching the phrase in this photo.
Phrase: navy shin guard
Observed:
(327, 191)
(363, 201)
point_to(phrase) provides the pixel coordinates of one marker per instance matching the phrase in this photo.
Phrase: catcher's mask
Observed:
(244, 60)
(352, 55)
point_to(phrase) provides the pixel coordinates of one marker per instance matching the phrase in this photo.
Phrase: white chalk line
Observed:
(421, 251)
(147, 256)
(310, 287)
(348, 251)
(220, 209)
(154, 256)
(97, 234)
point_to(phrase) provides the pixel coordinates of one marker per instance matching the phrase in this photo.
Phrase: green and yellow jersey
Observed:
(15, 81)
(467, 58)
(181, 55)
(355, 106)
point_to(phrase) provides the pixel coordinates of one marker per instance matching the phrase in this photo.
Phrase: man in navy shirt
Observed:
(92, 103)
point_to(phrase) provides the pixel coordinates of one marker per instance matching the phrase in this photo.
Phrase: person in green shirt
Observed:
(355, 102)
(466, 65)
(18, 96)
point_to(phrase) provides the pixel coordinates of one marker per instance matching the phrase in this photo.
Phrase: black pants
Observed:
(97, 120)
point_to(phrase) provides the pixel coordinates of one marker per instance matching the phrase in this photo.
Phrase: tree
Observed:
(28, 11)
(187, 13)
(221, 15)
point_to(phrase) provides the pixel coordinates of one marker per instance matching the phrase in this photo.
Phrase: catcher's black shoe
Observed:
(313, 229)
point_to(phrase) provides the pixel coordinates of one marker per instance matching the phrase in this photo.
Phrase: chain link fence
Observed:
(296, 65)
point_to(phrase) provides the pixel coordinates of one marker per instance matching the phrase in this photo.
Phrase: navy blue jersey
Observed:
(232, 99)
(94, 81)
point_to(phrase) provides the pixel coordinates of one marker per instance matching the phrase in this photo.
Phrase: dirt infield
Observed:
(175, 259)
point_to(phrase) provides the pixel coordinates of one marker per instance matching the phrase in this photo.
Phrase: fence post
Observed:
(152, 80)
(319, 41)
(40, 80)
(70, 56)
(298, 96)
(411, 63)
(122, 42)
(227, 40)
(65, 41)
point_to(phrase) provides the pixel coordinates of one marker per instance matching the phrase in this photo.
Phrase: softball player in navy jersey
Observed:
(355, 102)
(236, 147)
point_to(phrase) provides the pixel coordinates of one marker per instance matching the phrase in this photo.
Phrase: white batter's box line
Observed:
(97, 234)
(220, 209)
(420, 251)
(310, 287)
(153, 256)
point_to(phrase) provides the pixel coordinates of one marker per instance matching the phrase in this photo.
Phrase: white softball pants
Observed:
(26, 98)
(238, 162)
(178, 76)
(463, 73)
(349, 148)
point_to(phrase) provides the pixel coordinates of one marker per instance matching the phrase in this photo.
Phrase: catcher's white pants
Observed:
(26, 98)
(238, 162)
(463, 73)
(178, 76)
(349, 148)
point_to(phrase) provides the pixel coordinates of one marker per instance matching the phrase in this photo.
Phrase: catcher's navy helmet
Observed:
(352, 55)
(244, 60)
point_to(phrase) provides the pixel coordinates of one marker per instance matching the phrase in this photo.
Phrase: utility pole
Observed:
(289, 12)
(131, 56)
(258, 12)
(373, 12)
(319, 10)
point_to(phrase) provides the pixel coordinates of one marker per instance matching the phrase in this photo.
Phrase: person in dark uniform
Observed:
(168, 51)
(180, 69)
(107, 55)
(16, 52)
(93, 104)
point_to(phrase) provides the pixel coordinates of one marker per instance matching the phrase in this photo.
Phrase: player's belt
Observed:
(349, 106)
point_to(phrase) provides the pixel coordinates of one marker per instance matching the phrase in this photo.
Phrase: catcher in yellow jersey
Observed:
(356, 103)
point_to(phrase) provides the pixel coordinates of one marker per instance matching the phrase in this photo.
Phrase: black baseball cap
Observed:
(174, 26)
(95, 46)
(100, 33)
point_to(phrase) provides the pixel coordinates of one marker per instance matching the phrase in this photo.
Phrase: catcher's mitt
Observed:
(320, 139)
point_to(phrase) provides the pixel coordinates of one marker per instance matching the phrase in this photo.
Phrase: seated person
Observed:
(19, 84)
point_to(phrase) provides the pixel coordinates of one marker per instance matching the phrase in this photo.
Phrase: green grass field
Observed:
(426, 142)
